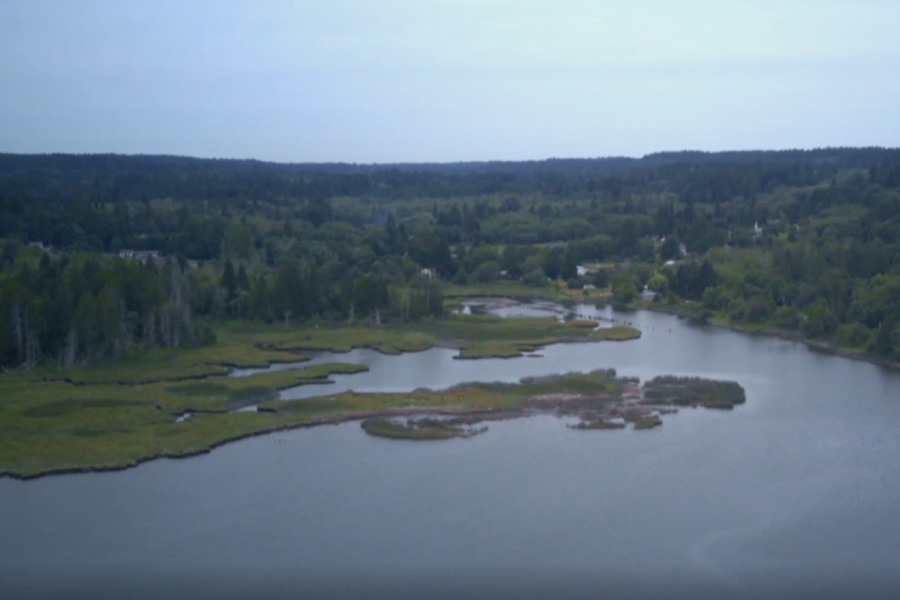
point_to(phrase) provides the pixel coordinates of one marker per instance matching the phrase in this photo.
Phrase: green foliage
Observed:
(485, 272)
(684, 391)
(886, 338)
(414, 429)
(820, 321)
(624, 288)
(691, 279)
(658, 283)
(802, 240)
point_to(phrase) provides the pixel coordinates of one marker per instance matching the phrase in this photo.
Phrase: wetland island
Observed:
(179, 404)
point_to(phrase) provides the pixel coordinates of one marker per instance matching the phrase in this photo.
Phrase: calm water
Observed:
(797, 492)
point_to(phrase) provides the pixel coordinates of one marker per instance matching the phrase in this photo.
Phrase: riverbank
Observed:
(826, 347)
(683, 309)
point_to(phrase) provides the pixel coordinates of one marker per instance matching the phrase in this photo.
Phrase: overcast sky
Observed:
(446, 80)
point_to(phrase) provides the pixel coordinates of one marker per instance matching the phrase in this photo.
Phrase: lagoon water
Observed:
(795, 493)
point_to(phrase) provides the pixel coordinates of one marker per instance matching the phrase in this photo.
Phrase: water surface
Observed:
(796, 492)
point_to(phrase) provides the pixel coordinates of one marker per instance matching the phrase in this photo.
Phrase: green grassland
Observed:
(56, 427)
(119, 413)
(484, 336)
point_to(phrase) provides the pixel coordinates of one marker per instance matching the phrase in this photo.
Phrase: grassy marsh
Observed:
(119, 413)
(416, 429)
(57, 427)
(687, 391)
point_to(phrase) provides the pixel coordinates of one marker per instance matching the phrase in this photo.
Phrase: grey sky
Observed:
(446, 80)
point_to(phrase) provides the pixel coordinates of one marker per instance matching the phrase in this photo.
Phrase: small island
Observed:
(427, 428)
(694, 391)
(599, 400)
(644, 406)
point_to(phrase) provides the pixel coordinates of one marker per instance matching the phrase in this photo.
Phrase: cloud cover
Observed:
(446, 80)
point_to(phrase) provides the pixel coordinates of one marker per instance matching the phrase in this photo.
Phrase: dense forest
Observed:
(107, 255)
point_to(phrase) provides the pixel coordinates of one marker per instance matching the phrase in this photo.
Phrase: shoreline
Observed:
(685, 313)
(782, 334)
(337, 419)
(627, 402)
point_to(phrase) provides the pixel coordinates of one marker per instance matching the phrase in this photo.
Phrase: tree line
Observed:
(800, 240)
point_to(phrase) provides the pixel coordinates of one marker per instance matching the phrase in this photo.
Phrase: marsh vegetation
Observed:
(418, 429)
(118, 413)
(693, 391)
